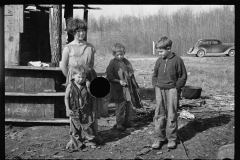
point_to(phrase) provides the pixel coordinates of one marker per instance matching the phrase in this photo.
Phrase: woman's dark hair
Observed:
(74, 24)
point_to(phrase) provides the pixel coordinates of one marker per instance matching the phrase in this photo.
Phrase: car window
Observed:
(215, 42)
(205, 42)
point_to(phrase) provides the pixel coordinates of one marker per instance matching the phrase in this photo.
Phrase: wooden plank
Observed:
(49, 82)
(18, 104)
(19, 84)
(29, 110)
(26, 107)
(8, 23)
(39, 107)
(39, 82)
(13, 108)
(33, 68)
(101, 122)
(16, 18)
(8, 10)
(8, 108)
(11, 42)
(9, 82)
(51, 29)
(11, 48)
(28, 84)
(16, 37)
(55, 120)
(16, 48)
(21, 27)
(43, 68)
(56, 94)
(49, 108)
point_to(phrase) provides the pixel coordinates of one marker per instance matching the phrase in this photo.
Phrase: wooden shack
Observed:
(34, 94)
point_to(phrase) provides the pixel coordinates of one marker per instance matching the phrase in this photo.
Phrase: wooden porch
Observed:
(36, 94)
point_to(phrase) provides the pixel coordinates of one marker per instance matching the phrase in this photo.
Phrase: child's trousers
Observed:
(124, 113)
(165, 118)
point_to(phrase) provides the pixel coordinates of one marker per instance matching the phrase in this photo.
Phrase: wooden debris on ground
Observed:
(216, 103)
(203, 104)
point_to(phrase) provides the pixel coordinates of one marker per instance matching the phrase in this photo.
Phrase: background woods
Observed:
(137, 32)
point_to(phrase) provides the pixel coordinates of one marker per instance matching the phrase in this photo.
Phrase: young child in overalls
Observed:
(79, 108)
(124, 88)
(168, 78)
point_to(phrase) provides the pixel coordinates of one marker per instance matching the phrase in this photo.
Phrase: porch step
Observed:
(56, 94)
(55, 120)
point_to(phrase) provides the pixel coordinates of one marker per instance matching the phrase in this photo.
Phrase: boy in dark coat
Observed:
(168, 78)
(124, 88)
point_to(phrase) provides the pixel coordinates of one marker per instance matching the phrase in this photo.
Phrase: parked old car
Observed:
(212, 47)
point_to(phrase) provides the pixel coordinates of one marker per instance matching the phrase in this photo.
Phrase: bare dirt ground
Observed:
(212, 127)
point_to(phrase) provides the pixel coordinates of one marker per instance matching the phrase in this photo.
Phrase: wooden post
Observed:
(153, 48)
(68, 13)
(56, 46)
(85, 17)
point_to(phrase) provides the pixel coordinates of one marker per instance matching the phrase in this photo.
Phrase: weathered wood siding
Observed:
(21, 80)
(13, 27)
(32, 93)
(29, 107)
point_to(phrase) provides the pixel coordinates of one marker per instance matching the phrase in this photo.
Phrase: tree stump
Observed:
(226, 151)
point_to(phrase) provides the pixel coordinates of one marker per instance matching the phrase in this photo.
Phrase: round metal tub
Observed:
(191, 92)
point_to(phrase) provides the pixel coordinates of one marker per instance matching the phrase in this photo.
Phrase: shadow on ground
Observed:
(199, 125)
(147, 93)
(112, 134)
(143, 120)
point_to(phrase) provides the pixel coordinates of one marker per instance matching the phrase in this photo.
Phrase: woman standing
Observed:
(76, 53)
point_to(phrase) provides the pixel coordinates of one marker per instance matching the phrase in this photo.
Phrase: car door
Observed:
(216, 47)
(206, 45)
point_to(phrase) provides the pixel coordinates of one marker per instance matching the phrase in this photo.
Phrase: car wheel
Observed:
(231, 53)
(201, 53)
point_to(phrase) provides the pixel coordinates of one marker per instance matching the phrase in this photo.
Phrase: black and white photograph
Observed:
(119, 81)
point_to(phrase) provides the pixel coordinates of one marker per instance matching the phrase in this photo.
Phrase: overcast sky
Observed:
(118, 10)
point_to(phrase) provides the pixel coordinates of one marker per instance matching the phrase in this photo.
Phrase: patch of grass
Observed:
(213, 74)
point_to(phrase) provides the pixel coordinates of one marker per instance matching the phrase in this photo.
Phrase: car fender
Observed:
(231, 48)
(196, 49)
